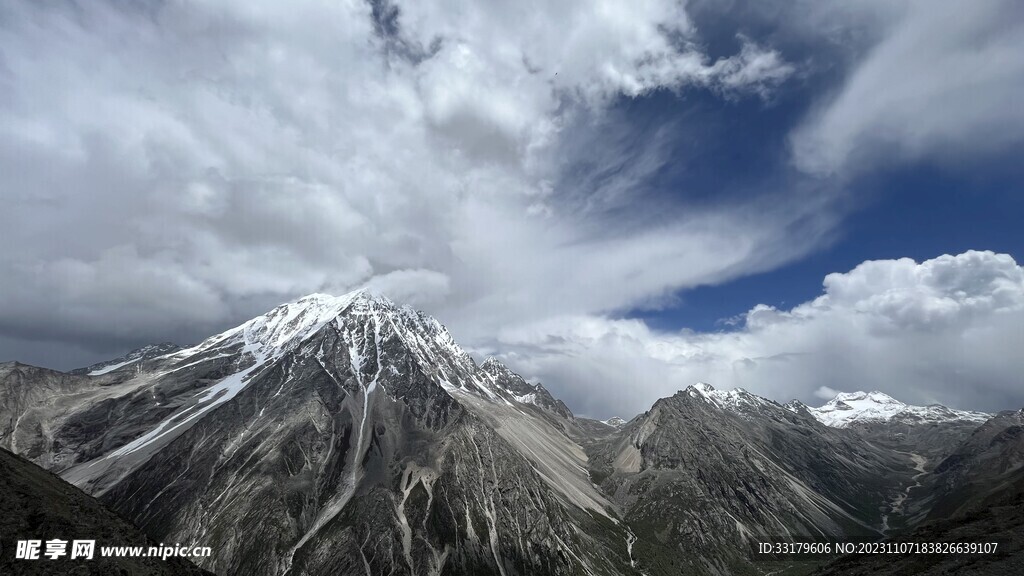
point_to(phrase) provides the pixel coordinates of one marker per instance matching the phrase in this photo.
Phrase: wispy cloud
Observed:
(943, 82)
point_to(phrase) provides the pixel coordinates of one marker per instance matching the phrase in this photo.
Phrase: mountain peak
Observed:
(500, 376)
(707, 390)
(702, 387)
(290, 323)
(875, 396)
(492, 364)
(795, 406)
(365, 320)
(362, 296)
(615, 422)
(847, 408)
(734, 399)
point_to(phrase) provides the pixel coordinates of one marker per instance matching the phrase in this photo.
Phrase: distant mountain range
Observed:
(351, 435)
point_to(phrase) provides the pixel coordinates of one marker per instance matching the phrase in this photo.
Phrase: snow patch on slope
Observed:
(112, 367)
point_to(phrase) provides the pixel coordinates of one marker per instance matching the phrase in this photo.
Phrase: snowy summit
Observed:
(853, 407)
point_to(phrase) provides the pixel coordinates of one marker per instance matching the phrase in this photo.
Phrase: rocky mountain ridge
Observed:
(349, 434)
(134, 357)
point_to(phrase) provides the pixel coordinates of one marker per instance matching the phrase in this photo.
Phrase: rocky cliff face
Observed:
(28, 396)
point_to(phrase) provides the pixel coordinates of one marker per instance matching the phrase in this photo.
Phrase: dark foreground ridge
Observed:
(38, 505)
(1000, 520)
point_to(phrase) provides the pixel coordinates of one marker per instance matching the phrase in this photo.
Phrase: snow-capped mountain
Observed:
(501, 378)
(614, 422)
(849, 408)
(350, 435)
(342, 434)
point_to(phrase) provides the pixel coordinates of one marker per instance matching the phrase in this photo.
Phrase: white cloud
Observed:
(166, 171)
(213, 160)
(945, 330)
(944, 81)
(417, 288)
(826, 393)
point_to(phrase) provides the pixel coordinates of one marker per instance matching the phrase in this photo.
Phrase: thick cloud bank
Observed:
(947, 330)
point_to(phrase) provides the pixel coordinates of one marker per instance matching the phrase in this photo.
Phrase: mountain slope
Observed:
(998, 518)
(705, 474)
(989, 462)
(134, 358)
(975, 495)
(28, 397)
(37, 505)
(335, 434)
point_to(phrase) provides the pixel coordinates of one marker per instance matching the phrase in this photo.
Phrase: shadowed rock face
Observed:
(27, 398)
(38, 505)
(350, 435)
(988, 462)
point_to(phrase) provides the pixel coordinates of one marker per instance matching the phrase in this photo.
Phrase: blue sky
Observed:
(729, 148)
(916, 210)
(584, 193)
